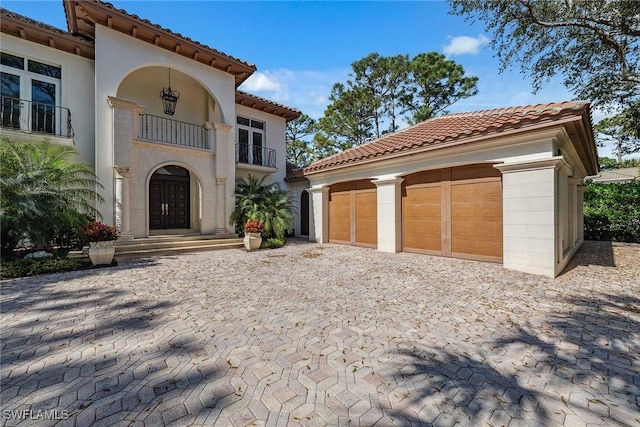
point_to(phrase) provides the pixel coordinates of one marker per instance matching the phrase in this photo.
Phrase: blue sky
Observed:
(301, 48)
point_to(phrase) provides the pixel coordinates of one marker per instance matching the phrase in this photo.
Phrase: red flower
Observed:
(254, 226)
(98, 232)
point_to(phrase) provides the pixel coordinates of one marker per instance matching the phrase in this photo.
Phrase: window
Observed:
(30, 91)
(251, 139)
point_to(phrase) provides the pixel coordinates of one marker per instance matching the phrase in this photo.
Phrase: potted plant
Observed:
(100, 238)
(253, 234)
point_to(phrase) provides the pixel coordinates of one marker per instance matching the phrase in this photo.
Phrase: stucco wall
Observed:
(76, 88)
(540, 230)
(117, 56)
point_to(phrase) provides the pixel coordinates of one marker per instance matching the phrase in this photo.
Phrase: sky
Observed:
(301, 48)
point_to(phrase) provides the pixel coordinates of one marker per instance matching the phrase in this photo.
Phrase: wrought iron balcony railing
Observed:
(161, 129)
(35, 117)
(255, 155)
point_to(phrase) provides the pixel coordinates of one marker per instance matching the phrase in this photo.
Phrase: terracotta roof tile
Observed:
(451, 128)
(112, 7)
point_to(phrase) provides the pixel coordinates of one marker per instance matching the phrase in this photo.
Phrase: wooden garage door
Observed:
(340, 217)
(454, 212)
(353, 214)
(422, 231)
(366, 218)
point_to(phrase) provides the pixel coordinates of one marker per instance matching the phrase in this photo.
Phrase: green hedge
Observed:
(31, 267)
(612, 212)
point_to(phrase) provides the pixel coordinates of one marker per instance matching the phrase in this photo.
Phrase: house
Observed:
(497, 185)
(158, 115)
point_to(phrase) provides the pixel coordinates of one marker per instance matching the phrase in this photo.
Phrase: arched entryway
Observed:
(169, 198)
(304, 213)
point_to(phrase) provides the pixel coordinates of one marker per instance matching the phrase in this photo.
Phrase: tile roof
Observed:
(451, 128)
(111, 6)
(266, 105)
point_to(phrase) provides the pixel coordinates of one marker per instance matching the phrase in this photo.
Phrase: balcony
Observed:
(255, 157)
(22, 115)
(168, 131)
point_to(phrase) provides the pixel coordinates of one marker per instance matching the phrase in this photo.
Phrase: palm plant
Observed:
(267, 203)
(43, 192)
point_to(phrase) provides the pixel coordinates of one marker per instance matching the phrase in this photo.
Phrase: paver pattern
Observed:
(312, 335)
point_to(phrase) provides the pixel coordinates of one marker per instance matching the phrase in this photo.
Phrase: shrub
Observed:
(44, 195)
(32, 267)
(612, 212)
(267, 203)
(273, 243)
(98, 232)
(254, 226)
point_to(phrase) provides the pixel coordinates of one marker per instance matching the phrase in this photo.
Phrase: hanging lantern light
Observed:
(169, 98)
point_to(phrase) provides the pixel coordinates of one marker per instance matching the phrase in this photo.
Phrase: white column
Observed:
(389, 196)
(221, 195)
(225, 175)
(530, 217)
(319, 214)
(122, 202)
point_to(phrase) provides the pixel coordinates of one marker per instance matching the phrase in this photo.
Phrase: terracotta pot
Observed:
(252, 241)
(101, 253)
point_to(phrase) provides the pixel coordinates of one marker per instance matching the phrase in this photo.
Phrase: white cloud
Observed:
(306, 90)
(259, 82)
(465, 45)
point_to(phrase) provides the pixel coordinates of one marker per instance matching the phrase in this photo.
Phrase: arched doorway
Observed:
(169, 204)
(304, 213)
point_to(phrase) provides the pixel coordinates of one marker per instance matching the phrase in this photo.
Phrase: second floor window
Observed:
(251, 139)
(30, 91)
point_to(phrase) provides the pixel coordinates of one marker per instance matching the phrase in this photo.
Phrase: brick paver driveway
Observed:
(331, 335)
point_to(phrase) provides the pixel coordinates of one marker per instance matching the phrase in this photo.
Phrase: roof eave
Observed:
(27, 29)
(95, 12)
(443, 145)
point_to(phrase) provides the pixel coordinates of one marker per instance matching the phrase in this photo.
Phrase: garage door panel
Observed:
(476, 219)
(422, 230)
(340, 217)
(480, 249)
(366, 218)
(470, 198)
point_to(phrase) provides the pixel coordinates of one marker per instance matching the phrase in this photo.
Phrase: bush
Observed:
(44, 195)
(32, 267)
(612, 212)
(273, 243)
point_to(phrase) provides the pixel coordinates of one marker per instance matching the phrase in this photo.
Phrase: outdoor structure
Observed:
(496, 185)
(617, 176)
(158, 115)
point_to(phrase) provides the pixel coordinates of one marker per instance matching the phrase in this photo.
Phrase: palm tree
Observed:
(43, 192)
(263, 202)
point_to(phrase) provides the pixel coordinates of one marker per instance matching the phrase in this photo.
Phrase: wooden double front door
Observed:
(169, 203)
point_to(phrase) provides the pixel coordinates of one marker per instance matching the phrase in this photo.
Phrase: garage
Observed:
(454, 212)
(353, 216)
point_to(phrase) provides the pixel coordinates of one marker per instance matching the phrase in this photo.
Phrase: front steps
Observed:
(170, 244)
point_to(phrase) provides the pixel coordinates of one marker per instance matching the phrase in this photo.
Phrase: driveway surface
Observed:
(332, 335)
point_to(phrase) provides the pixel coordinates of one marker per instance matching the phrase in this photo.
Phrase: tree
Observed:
(258, 201)
(437, 84)
(383, 82)
(615, 129)
(43, 193)
(299, 150)
(382, 89)
(347, 121)
(594, 44)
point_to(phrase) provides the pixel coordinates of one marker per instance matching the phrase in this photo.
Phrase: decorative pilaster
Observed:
(319, 214)
(389, 196)
(221, 208)
(122, 202)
